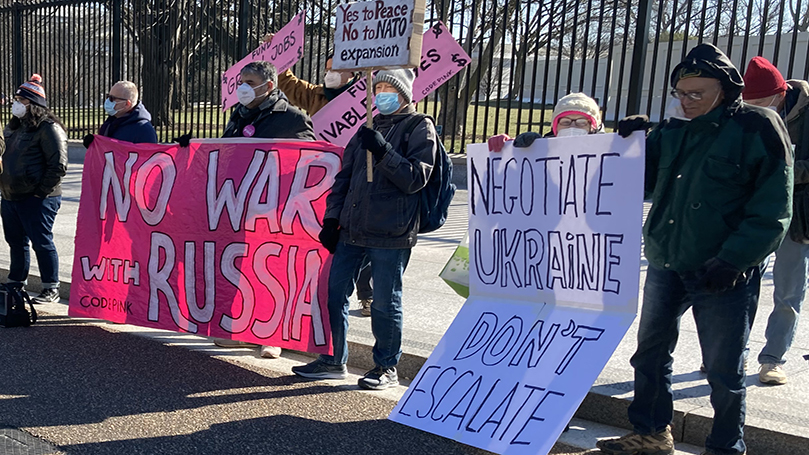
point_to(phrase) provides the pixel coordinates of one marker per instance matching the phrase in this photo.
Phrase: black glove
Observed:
(717, 276)
(88, 140)
(374, 142)
(330, 234)
(183, 140)
(633, 123)
(524, 140)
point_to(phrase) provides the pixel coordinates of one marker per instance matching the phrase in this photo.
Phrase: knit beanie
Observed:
(762, 79)
(33, 91)
(401, 79)
(577, 103)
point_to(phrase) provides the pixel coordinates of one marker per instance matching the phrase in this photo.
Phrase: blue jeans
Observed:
(386, 310)
(364, 289)
(31, 220)
(723, 325)
(789, 278)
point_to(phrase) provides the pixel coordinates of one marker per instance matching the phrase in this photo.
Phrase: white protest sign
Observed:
(508, 375)
(555, 233)
(283, 51)
(559, 222)
(378, 34)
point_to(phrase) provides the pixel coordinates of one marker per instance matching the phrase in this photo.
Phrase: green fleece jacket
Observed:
(721, 186)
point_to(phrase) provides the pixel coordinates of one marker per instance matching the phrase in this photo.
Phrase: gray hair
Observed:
(131, 90)
(263, 69)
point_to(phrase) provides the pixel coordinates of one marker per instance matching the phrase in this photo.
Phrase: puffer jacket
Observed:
(721, 186)
(384, 213)
(797, 120)
(274, 118)
(34, 162)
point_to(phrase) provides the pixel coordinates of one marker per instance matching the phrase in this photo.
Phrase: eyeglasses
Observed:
(115, 99)
(693, 96)
(578, 123)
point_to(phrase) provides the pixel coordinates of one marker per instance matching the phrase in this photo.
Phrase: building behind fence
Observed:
(526, 54)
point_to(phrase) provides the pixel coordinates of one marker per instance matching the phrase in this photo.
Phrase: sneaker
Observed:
(379, 379)
(270, 352)
(50, 295)
(225, 343)
(639, 444)
(319, 369)
(771, 373)
(366, 307)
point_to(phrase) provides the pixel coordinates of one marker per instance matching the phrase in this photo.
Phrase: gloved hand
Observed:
(717, 276)
(628, 125)
(330, 234)
(88, 140)
(524, 140)
(373, 141)
(183, 140)
(496, 143)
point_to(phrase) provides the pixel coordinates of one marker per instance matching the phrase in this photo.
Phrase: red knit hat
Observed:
(762, 79)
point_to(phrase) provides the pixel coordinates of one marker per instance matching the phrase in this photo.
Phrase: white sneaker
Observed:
(771, 373)
(270, 352)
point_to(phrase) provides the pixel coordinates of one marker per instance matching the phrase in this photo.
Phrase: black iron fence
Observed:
(525, 54)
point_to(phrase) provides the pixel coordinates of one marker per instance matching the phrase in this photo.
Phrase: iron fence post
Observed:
(17, 42)
(638, 66)
(117, 23)
(244, 28)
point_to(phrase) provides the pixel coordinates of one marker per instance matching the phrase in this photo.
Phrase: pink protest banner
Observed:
(441, 58)
(216, 239)
(283, 51)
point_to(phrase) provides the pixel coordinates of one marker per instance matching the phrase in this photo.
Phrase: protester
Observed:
(128, 119)
(764, 86)
(313, 98)
(378, 219)
(720, 179)
(34, 162)
(575, 114)
(264, 112)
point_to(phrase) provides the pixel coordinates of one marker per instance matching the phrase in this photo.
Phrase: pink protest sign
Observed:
(441, 58)
(283, 51)
(216, 239)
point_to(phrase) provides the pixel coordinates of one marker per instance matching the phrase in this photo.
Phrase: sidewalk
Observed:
(778, 416)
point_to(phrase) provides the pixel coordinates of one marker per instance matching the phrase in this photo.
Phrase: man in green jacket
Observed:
(719, 173)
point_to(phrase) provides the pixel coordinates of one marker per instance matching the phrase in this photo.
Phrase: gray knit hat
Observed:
(401, 79)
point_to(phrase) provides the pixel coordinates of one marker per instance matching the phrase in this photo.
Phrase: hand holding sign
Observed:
(282, 49)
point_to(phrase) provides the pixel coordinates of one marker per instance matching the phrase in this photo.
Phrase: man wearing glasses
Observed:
(719, 174)
(128, 119)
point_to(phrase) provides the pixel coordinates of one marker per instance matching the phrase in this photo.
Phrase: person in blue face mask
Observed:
(377, 220)
(128, 118)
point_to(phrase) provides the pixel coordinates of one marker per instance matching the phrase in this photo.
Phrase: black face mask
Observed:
(332, 93)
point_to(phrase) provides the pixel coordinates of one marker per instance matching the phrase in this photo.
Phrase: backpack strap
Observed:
(410, 126)
(27, 299)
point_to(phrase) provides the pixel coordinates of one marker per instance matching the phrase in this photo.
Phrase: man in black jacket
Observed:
(264, 111)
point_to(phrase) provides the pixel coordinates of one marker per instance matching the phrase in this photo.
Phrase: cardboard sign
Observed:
(284, 51)
(378, 34)
(442, 57)
(217, 239)
(554, 237)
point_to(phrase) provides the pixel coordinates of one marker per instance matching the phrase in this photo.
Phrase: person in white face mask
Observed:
(575, 114)
(765, 87)
(128, 118)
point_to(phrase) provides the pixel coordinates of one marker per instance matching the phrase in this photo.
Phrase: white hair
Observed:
(131, 90)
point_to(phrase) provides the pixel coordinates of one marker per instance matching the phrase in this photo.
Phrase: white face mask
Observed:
(18, 109)
(569, 132)
(333, 79)
(675, 110)
(247, 94)
(773, 104)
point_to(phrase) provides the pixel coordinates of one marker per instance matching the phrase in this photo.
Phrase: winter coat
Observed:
(135, 126)
(34, 162)
(797, 121)
(274, 118)
(305, 95)
(384, 213)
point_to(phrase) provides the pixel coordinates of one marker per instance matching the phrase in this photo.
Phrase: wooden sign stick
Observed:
(369, 159)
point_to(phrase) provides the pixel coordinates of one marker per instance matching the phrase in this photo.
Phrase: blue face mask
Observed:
(387, 102)
(109, 107)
